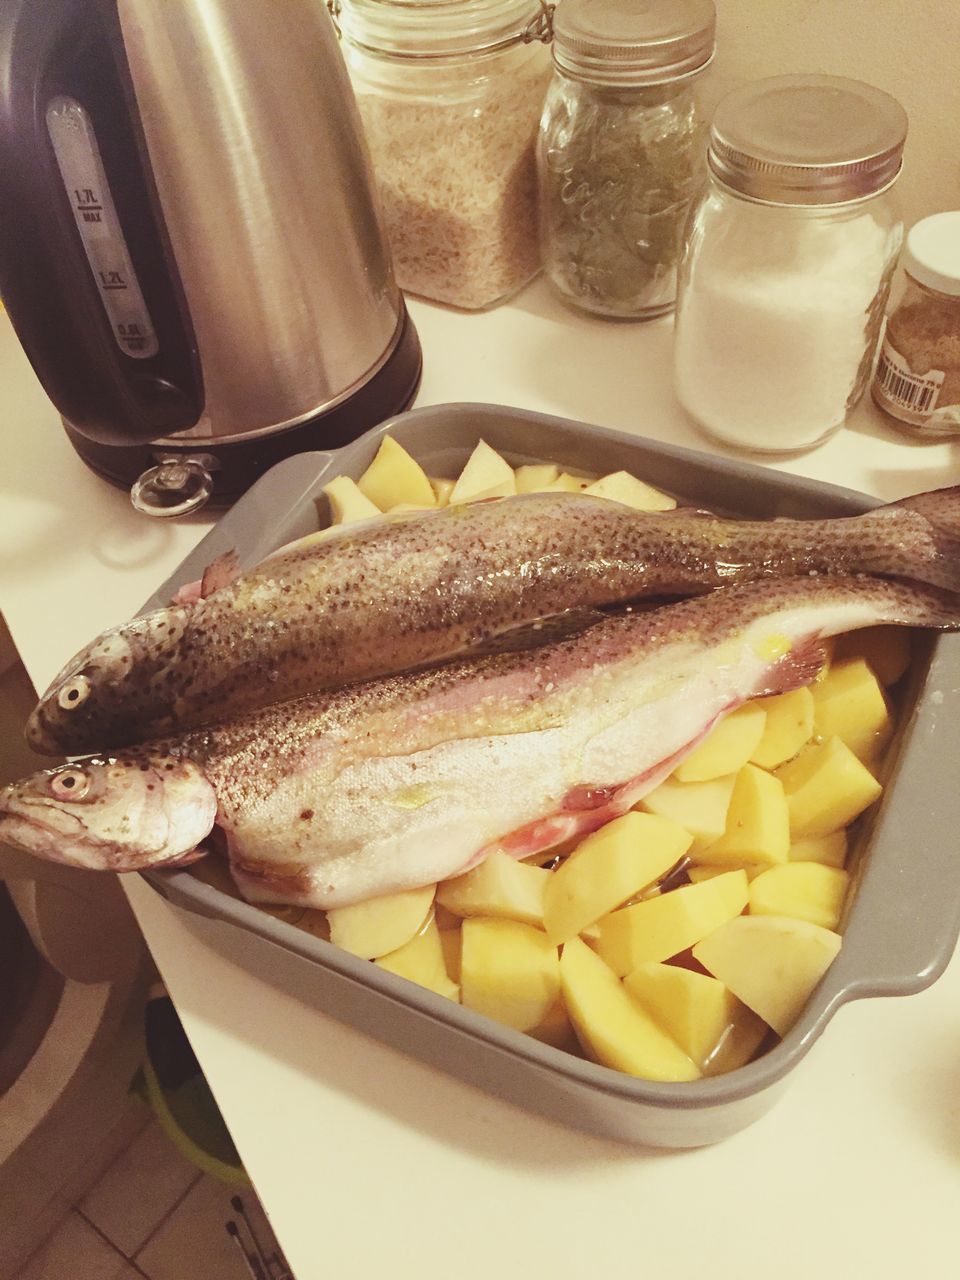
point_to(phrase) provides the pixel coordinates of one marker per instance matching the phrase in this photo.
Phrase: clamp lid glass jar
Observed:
(788, 260)
(918, 374)
(620, 149)
(450, 93)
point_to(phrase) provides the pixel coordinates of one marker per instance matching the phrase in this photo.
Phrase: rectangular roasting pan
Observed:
(903, 917)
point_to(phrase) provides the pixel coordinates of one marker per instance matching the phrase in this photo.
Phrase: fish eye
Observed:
(74, 693)
(70, 784)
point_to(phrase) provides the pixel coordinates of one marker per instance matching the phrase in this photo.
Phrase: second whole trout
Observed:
(395, 783)
(392, 595)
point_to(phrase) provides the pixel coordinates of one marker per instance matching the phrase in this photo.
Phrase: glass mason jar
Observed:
(450, 94)
(620, 152)
(917, 379)
(788, 260)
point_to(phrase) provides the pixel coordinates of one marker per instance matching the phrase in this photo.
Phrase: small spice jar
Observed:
(917, 380)
(788, 261)
(620, 152)
(450, 94)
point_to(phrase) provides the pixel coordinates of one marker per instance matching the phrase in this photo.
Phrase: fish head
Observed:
(110, 814)
(102, 691)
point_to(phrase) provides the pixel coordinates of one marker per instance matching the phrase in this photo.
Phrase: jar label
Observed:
(900, 389)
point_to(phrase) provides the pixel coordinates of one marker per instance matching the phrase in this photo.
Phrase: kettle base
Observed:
(238, 463)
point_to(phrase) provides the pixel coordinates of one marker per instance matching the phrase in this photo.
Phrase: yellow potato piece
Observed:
(831, 849)
(486, 475)
(380, 925)
(609, 867)
(707, 1020)
(566, 483)
(421, 960)
(801, 890)
(826, 788)
(758, 822)
(788, 727)
(393, 476)
(508, 971)
(886, 650)
(347, 503)
(850, 705)
(613, 1028)
(500, 887)
(621, 486)
(771, 963)
(442, 489)
(663, 927)
(707, 870)
(727, 747)
(699, 807)
(535, 477)
(404, 508)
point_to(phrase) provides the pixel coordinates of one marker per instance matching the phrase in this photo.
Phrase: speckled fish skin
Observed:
(392, 595)
(385, 785)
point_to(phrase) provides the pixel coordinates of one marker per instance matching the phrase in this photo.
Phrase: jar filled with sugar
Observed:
(450, 94)
(788, 260)
(620, 154)
(917, 379)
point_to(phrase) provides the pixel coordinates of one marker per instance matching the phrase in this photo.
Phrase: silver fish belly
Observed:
(349, 794)
(394, 595)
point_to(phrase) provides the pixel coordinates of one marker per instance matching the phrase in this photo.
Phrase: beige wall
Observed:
(910, 48)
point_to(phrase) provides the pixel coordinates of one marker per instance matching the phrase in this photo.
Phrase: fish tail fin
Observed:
(940, 551)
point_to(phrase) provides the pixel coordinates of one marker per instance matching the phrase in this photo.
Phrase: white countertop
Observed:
(372, 1164)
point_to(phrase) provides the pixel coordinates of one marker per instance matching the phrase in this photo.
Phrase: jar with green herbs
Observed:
(621, 149)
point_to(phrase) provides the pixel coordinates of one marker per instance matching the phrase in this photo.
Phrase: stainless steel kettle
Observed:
(190, 247)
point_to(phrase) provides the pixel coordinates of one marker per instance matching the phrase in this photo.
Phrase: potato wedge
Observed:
(393, 477)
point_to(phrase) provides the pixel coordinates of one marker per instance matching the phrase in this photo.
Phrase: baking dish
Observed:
(901, 923)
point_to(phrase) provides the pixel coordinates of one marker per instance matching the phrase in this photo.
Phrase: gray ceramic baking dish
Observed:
(901, 925)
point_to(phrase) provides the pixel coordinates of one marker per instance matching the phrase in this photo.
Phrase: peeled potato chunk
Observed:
(499, 887)
(535, 477)
(758, 821)
(609, 867)
(727, 747)
(612, 1027)
(707, 1020)
(801, 890)
(486, 475)
(508, 971)
(380, 925)
(393, 477)
(699, 807)
(771, 963)
(850, 705)
(664, 926)
(826, 788)
(442, 489)
(621, 486)
(421, 960)
(831, 849)
(348, 502)
(788, 727)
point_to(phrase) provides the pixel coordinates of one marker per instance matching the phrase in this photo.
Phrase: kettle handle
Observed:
(86, 271)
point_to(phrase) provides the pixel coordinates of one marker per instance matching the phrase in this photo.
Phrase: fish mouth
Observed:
(32, 835)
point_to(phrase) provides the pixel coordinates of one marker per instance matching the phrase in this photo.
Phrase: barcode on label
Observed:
(909, 391)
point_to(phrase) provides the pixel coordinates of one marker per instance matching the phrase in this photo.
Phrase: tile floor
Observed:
(154, 1216)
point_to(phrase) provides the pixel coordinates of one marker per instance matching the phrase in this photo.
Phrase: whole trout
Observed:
(389, 596)
(386, 785)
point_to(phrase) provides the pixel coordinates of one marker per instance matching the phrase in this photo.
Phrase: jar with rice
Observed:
(450, 94)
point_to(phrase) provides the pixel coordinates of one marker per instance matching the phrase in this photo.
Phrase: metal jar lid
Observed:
(807, 140)
(932, 252)
(438, 29)
(633, 42)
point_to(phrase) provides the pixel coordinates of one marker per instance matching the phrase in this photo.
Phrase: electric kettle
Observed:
(191, 251)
